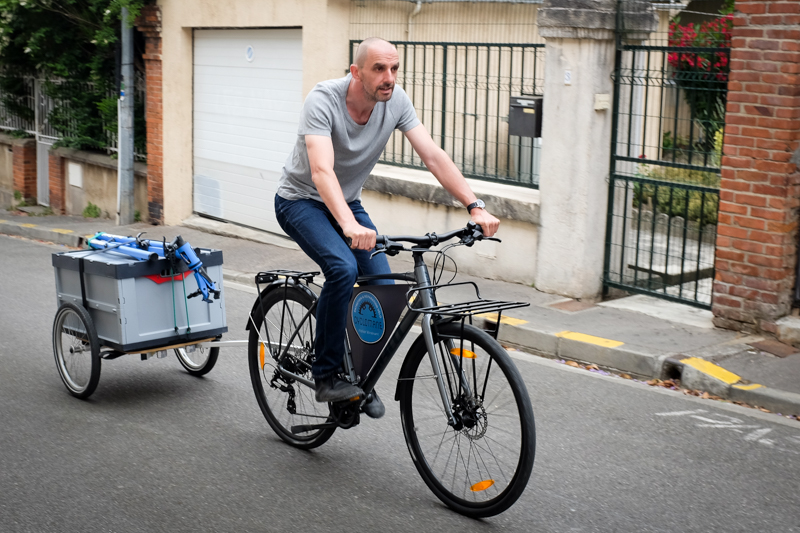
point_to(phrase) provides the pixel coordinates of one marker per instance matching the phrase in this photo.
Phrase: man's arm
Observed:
(443, 168)
(320, 159)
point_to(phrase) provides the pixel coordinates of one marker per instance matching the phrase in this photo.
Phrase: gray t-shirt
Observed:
(356, 148)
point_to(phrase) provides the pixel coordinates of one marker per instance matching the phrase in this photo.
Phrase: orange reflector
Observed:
(482, 485)
(466, 354)
(355, 399)
(261, 354)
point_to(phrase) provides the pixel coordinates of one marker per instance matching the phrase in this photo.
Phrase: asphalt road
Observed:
(155, 449)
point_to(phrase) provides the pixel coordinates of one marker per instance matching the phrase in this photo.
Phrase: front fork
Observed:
(427, 333)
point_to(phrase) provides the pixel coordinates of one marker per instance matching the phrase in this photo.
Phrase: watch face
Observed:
(476, 203)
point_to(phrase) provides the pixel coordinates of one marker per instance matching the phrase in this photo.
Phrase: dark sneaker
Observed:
(374, 407)
(333, 389)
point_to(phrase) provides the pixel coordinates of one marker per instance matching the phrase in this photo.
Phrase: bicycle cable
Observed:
(439, 264)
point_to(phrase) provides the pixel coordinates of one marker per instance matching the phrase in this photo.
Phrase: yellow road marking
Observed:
(748, 387)
(590, 339)
(711, 369)
(3, 221)
(28, 225)
(510, 321)
(58, 230)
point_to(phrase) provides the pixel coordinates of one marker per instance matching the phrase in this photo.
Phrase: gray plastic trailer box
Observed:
(131, 302)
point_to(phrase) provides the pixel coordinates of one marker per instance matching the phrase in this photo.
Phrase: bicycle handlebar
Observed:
(468, 235)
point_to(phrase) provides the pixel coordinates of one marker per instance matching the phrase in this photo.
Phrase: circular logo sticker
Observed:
(249, 53)
(367, 316)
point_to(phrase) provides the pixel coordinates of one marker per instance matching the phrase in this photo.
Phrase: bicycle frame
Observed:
(425, 299)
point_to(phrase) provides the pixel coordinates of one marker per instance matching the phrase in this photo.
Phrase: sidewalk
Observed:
(643, 337)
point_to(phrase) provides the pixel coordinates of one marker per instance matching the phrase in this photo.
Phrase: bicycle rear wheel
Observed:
(480, 465)
(284, 401)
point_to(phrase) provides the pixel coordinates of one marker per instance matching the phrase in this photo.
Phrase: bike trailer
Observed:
(136, 305)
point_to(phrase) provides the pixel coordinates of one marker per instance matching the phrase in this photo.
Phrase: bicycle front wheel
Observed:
(479, 464)
(284, 401)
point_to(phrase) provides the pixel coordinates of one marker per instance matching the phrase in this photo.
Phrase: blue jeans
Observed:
(314, 229)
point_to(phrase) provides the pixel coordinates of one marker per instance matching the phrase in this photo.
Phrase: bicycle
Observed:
(467, 417)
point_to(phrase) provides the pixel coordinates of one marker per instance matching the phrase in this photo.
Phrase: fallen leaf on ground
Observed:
(572, 363)
(653, 382)
(625, 376)
(705, 396)
(592, 367)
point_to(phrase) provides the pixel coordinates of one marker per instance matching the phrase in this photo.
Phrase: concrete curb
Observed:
(635, 361)
(718, 381)
(217, 227)
(33, 231)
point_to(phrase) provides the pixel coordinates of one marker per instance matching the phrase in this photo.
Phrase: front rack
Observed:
(462, 309)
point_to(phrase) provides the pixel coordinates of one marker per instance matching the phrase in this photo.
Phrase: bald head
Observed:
(368, 45)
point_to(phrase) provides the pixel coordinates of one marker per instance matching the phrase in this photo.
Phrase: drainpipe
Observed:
(411, 15)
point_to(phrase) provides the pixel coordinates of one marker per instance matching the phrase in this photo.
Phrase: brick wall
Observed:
(149, 23)
(58, 201)
(24, 154)
(760, 188)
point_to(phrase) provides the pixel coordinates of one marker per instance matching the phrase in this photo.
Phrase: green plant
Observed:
(137, 216)
(20, 134)
(663, 198)
(91, 211)
(75, 40)
(17, 195)
(703, 75)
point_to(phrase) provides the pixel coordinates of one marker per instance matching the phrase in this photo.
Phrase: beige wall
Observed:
(448, 21)
(98, 184)
(514, 260)
(6, 175)
(324, 26)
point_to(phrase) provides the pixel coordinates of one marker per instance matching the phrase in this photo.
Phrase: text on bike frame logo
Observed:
(367, 316)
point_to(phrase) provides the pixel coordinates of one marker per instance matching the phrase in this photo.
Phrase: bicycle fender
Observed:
(276, 285)
(406, 371)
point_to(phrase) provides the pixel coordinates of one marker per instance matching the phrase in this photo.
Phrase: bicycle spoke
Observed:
(474, 459)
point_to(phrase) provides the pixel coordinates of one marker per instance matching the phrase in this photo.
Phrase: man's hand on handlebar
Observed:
(486, 221)
(360, 238)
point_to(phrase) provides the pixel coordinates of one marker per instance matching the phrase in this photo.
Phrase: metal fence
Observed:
(669, 114)
(462, 93)
(42, 107)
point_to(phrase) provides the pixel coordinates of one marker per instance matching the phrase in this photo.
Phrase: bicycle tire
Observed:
(74, 325)
(200, 364)
(495, 471)
(284, 308)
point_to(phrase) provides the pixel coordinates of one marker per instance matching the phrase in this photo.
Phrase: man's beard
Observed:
(376, 96)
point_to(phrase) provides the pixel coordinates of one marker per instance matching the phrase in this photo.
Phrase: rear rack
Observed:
(268, 276)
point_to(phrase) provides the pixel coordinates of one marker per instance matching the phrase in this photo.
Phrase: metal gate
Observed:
(664, 178)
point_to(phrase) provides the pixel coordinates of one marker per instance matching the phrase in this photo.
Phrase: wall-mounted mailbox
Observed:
(525, 116)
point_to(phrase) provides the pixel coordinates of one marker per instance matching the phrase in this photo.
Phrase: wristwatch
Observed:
(476, 203)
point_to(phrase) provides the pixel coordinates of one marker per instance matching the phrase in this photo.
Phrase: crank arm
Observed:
(311, 427)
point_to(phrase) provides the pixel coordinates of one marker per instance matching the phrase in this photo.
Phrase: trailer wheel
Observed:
(76, 349)
(200, 361)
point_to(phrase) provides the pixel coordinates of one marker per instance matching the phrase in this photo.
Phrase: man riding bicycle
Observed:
(344, 125)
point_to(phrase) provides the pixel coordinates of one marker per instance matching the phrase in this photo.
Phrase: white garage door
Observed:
(247, 100)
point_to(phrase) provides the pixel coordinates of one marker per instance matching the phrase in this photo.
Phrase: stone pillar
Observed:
(576, 140)
(149, 23)
(58, 199)
(24, 164)
(760, 186)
